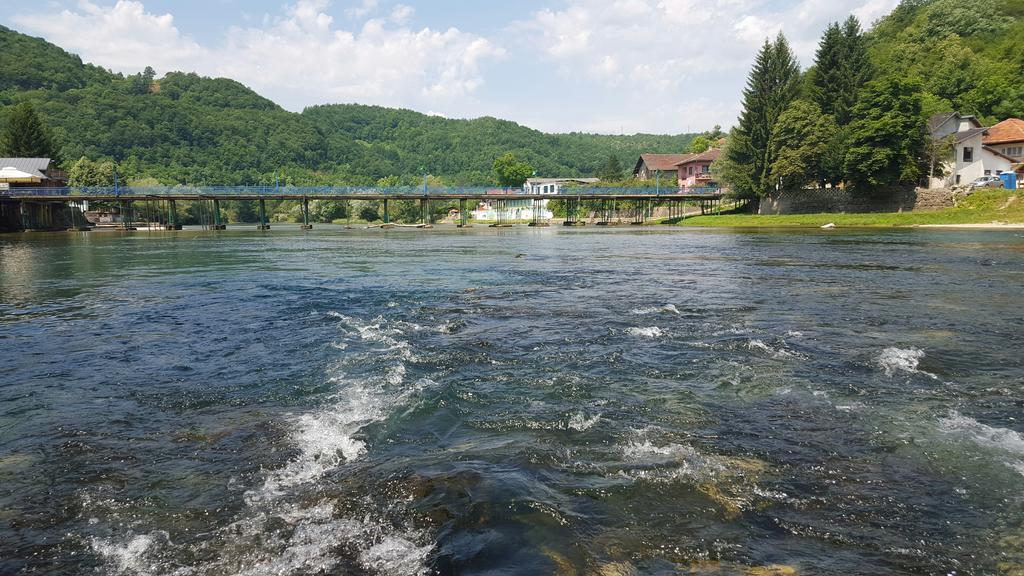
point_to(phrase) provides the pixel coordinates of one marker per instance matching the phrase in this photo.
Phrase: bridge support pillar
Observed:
(463, 214)
(127, 215)
(172, 216)
(263, 225)
(387, 212)
(218, 223)
(425, 216)
(305, 215)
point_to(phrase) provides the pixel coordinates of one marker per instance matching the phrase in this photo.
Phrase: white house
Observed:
(971, 158)
(553, 185)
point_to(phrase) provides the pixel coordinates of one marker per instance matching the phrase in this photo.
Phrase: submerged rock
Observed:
(773, 570)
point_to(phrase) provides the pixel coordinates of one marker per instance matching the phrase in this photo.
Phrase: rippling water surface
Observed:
(615, 402)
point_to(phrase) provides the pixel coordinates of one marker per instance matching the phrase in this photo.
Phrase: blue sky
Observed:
(610, 66)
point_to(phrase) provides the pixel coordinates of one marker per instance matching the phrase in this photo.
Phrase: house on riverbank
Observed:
(1007, 138)
(695, 171)
(971, 158)
(650, 166)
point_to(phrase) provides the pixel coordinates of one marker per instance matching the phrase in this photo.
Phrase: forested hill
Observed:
(184, 128)
(970, 55)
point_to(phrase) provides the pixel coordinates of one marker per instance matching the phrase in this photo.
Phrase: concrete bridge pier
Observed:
(172, 216)
(425, 217)
(263, 225)
(463, 214)
(305, 215)
(127, 215)
(387, 212)
(218, 223)
(501, 215)
(572, 212)
(538, 220)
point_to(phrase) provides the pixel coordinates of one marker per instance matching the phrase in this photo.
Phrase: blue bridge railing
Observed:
(340, 191)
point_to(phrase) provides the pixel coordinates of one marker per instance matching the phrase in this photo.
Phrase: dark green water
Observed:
(517, 401)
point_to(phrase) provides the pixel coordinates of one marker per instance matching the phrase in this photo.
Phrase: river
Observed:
(512, 401)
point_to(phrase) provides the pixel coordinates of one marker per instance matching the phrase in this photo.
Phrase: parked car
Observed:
(987, 182)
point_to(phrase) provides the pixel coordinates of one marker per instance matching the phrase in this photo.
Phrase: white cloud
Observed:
(123, 37)
(366, 8)
(402, 13)
(678, 57)
(298, 58)
(607, 65)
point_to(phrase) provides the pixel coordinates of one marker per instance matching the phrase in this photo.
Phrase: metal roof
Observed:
(561, 180)
(30, 165)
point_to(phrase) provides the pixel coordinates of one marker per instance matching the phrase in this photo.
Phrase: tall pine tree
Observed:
(827, 77)
(772, 85)
(841, 68)
(856, 67)
(25, 136)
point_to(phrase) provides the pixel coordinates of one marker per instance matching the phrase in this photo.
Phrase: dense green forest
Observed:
(184, 128)
(969, 56)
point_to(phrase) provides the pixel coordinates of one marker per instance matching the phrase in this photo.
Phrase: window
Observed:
(706, 169)
(988, 172)
(1013, 151)
(968, 155)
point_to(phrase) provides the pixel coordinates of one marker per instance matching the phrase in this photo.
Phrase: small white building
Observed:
(554, 185)
(971, 158)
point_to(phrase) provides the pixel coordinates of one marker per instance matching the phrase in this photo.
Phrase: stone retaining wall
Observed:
(839, 200)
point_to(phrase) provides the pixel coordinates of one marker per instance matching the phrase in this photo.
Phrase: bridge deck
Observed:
(258, 193)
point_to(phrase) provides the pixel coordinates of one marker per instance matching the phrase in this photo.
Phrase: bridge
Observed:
(58, 208)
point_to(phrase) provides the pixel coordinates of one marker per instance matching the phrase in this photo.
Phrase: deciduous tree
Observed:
(510, 171)
(887, 137)
(800, 143)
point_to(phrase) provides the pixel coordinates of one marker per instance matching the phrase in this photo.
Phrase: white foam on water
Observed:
(902, 360)
(131, 556)
(1002, 439)
(580, 423)
(755, 345)
(666, 309)
(649, 332)
(325, 440)
(396, 555)
(668, 463)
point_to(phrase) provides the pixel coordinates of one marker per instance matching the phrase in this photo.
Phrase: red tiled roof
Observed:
(664, 162)
(1011, 130)
(709, 156)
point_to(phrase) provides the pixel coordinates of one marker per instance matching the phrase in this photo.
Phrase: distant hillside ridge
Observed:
(187, 129)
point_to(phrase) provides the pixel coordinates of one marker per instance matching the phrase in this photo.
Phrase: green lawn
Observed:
(985, 207)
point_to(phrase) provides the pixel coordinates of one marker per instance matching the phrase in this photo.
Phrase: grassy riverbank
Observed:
(986, 207)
